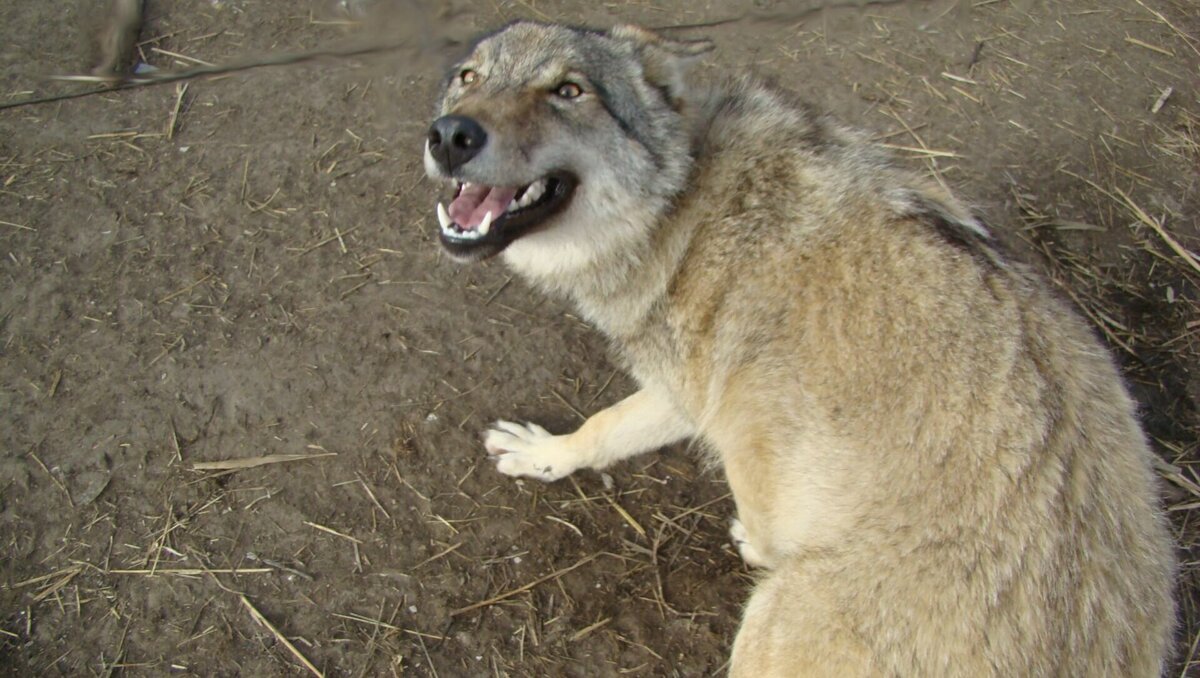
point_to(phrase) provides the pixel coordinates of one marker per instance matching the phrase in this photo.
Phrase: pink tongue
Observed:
(469, 208)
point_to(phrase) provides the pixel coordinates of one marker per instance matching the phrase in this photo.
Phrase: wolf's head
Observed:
(560, 143)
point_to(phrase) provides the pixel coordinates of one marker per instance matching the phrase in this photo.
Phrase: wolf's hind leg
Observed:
(645, 421)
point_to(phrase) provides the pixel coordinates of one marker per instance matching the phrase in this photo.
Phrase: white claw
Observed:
(444, 216)
(486, 224)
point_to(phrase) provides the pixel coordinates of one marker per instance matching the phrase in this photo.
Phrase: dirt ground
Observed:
(247, 267)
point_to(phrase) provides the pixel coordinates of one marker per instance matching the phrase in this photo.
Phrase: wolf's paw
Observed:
(529, 450)
(741, 539)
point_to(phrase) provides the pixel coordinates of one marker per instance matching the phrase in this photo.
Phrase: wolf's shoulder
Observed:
(751, 110)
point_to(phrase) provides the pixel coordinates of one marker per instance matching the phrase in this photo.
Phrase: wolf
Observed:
(933, 459)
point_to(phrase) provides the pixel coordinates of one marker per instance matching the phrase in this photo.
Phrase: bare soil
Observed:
(247, 268)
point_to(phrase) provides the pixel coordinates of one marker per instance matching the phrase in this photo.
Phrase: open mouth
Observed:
(482, 220)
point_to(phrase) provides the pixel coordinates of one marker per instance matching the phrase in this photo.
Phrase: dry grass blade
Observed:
(521, 589)
(1157, 227)
(185, 290)
(194, 571)
(60, 579)
(441, 554)
(626, 517)
(173, 121)
(259, 618)
(1174, 474)
(113, 83)
(926, 152)
(1187, 39)
(252, 462)
(330, 530)
(367, 620)
(1146, 45)
(589, 628)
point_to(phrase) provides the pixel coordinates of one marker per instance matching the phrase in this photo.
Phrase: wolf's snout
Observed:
(454, 140)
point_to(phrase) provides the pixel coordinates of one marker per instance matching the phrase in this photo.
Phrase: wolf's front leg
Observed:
(645, 421)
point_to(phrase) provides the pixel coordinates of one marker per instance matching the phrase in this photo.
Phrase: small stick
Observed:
(284, 59)
(124, 134)
(332, 531)
(588, 629)
(53, 478)
(603, 388)
(628, 518)
(73, 570)
(183, 57)
(371, 494)
(185, 290)
(252, 462)
(560, 521)
(521, 589)
(364, 620)
(258, 617)
(1179, 249)
(568, 405)
(194, 571)
(1187, 40)
(337, 236)
(354, 289)
(50, 590)
(1153, 48)
(922, 151)
(495, 294)
(1162, 100)
(280, 566)
(173, 121)
(428, 659)
(175, 442)
(434, 557)
(959, 78)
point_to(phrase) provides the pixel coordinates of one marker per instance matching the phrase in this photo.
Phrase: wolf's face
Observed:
(558, 141)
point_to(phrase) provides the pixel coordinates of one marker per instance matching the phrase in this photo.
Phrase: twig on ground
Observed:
(258, 617)
(252, 462)
(521, 589)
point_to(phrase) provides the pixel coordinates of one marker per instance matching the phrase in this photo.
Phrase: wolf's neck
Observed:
(622, 291)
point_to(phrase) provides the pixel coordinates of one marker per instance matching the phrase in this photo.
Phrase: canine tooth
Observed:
(444, 217)
(485, 225)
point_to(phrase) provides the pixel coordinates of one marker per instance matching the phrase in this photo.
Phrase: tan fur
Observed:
(933, 455)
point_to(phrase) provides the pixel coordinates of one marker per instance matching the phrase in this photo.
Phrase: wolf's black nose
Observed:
(455, 139)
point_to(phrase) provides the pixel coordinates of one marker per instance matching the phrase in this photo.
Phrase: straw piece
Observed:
(252, 462)
(258, 617)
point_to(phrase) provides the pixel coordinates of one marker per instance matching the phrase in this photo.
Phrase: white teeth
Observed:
(535, 191)
(452, 230)
(531, 195)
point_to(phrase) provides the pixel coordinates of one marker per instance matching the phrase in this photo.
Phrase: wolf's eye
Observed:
(468, 76)
(568, 90)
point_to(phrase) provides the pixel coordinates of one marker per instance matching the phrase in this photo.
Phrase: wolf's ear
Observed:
(665, 62)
